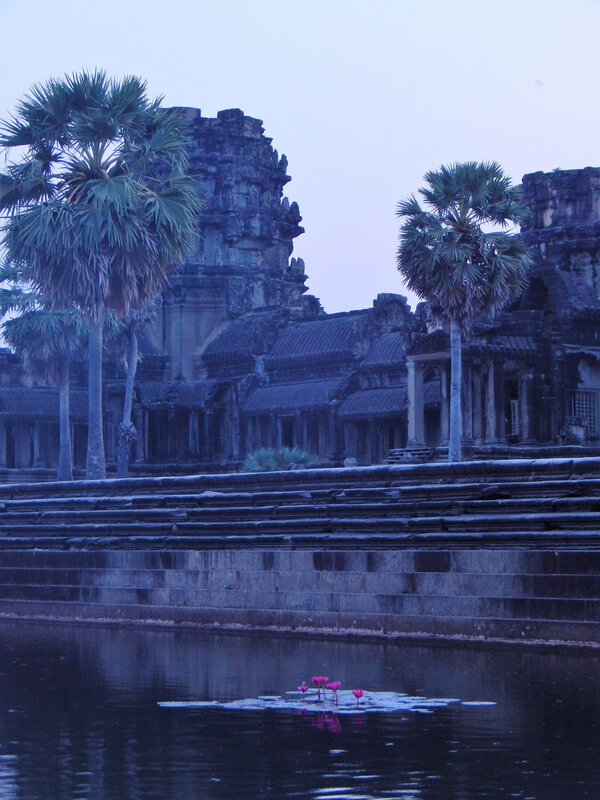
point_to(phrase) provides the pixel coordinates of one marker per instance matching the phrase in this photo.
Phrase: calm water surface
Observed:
(79, 719)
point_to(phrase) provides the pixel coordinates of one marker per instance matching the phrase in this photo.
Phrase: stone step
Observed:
(433, 496)
(249, 528)
(516, 470)
(73, 514)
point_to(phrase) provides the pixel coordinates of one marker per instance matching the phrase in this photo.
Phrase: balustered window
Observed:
(582, 406)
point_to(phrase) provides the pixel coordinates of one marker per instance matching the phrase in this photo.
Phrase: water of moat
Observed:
(80, 718)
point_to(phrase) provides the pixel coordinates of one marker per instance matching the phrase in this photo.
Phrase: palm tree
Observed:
(454, 254)
(126, 335)
(99, 208)
(45, 341)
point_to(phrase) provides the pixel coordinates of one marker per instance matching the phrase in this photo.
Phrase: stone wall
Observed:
(486, 593)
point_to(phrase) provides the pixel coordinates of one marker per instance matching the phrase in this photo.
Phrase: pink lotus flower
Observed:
(319, 681)
(334, 686)
(303, 688)
(358, 693)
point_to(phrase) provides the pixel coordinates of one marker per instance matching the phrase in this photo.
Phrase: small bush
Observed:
(268, 459)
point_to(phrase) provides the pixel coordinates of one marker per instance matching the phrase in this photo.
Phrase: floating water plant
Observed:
(298, 701)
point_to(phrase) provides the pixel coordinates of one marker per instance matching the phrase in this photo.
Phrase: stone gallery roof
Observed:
(388, 350)
(436, 342)
(515, 345)
(388, 402)
(40, 403)
(251, 334)
(439, 342)
(189, 395)
(291, 396)
(320, 339)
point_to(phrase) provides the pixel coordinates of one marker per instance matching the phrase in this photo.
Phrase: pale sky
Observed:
(362, 97)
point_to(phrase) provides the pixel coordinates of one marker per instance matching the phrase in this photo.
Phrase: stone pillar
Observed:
(146, 434)
(372, 450)
(467, 403)
(38, 456)
(477, 417)
(207, 437)
(416, 416)
(525, 383)
(335, 434)
(236, 429)
(279, 432)
(138, 421)
(299, 430)
(490, 405)
(2, 443)
(495, 403)
(171, 435)
(444, 406)
(275, 431)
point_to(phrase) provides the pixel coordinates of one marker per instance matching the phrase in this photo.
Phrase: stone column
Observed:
(171, 435)
(490, 408)
(371, 449)
(206, 454)
(335, 434)
(525, 383)
(279, 432)
(236, 429)
(2, 443)
(467, 403)
(138, 421)
(444, 406)
(495, 403)
(275, 432)
(300, 430)
(416, 417)
(38, 457)
(477, 417)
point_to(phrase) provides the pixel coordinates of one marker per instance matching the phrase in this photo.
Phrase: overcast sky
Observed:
(362, 97)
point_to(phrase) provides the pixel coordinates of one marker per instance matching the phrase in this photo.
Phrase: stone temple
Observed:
(241, 356)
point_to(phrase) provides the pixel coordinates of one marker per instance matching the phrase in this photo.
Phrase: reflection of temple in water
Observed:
(240, 356)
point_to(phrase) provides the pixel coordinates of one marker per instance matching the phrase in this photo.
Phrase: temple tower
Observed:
(242, 260)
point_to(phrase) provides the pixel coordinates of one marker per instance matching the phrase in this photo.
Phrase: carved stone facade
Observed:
(240, 356)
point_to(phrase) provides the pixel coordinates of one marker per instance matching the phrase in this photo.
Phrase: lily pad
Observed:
(371, 702)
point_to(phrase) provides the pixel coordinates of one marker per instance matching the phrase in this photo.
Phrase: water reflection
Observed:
(79, 719)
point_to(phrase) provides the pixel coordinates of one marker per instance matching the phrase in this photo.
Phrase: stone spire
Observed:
(242, 261)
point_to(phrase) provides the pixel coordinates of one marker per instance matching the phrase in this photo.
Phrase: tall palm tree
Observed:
(99, 208)
(125, 336)
(456, 253)
(45, 341)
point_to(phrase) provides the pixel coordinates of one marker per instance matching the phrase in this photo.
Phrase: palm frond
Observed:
(446, 257)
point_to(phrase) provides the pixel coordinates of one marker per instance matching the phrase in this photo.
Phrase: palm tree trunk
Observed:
(455, 443)
(127, 431)
(65, 466)
(95, 467)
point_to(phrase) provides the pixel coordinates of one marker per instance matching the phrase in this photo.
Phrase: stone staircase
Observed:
(545, 500)
(477, 548)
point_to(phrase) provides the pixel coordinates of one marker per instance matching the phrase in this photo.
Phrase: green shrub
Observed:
(269, 459)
